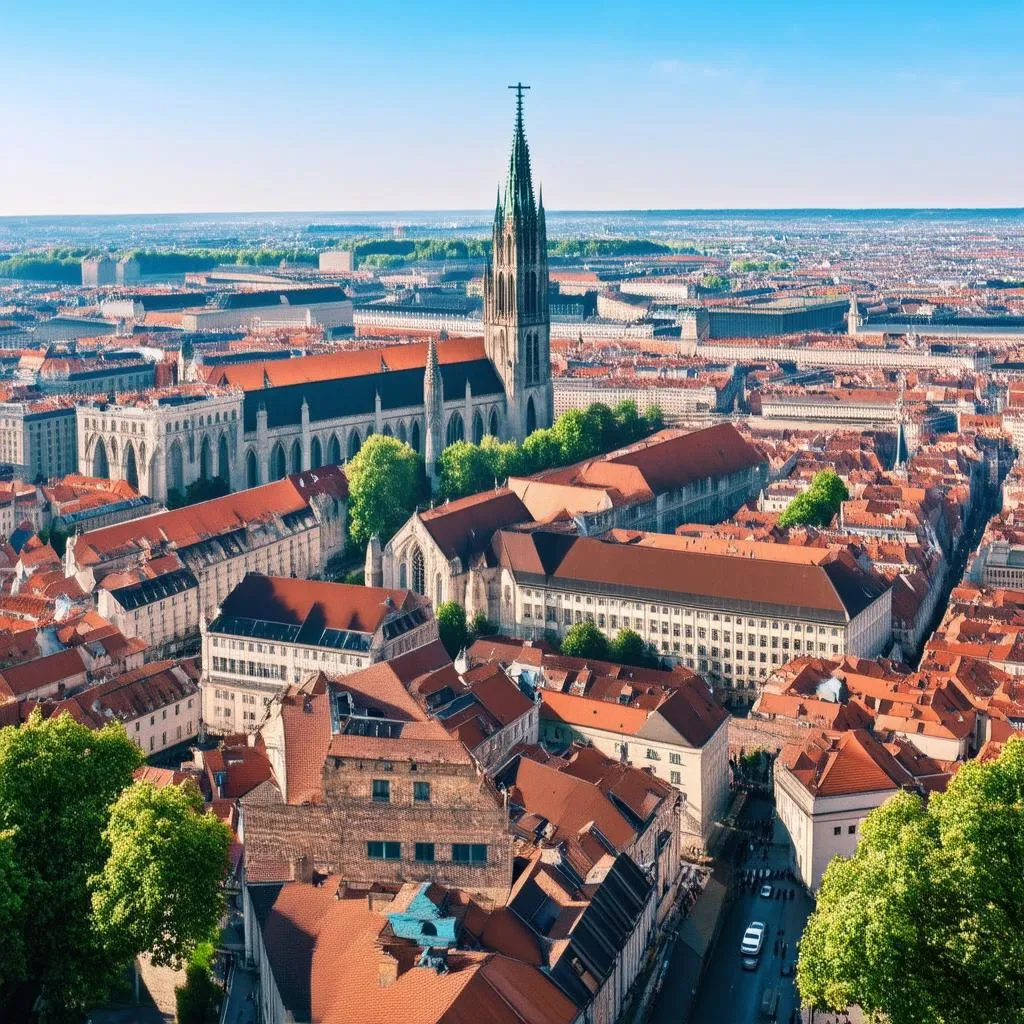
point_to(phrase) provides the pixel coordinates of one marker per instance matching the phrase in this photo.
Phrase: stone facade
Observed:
(163, 440)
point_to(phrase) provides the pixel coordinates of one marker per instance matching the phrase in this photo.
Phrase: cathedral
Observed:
(302, 413)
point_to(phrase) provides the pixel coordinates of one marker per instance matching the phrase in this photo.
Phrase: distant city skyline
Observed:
(194, 109)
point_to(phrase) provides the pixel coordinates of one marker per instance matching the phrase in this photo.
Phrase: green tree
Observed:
(58, 780)
(482, 626)
(922, 925)
(576, 436)
(13, 890)
(602, 426)
(503, 458)
(818, 505)
(451, 625)
(159, 889)
(628, 648)
(655, 419)
(585, 640)
(384, 486)
(541, 450)
(630, 425)
(463, 468)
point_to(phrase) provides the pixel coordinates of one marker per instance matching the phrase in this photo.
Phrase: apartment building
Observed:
(667, 722)
(39, 438)
(372, 790)
(826, 787)
(156, 576)
(671, 478)
(272, 631)
(158, 704)
(731, 612)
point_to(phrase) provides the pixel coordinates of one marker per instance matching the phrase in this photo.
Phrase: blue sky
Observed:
(183, 106)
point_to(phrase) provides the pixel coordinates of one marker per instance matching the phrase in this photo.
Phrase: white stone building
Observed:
(825, 788)
(271, 631)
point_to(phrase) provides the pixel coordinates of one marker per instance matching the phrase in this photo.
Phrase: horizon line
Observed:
(485, 212)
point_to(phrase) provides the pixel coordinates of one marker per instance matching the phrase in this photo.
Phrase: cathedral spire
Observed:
(519, 186)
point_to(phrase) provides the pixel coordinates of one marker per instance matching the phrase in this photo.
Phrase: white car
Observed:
(766, 891)
(753, 939)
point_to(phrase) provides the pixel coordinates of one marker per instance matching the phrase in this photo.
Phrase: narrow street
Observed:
(727, 994)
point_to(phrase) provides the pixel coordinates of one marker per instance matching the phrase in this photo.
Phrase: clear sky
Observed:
(213, 106)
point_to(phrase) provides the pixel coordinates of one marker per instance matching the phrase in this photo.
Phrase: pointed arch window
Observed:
(419, 576)
(537, 375)
(528, 358)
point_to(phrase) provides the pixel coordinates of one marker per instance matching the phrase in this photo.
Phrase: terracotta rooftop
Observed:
(852, 762)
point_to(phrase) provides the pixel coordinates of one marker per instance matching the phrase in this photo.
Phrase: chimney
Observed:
(387, 970)
(301, 868)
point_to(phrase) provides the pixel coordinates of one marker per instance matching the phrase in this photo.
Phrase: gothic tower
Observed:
(517, 326)
(433, 408)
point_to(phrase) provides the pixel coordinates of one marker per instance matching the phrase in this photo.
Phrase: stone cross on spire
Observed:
(519, 187)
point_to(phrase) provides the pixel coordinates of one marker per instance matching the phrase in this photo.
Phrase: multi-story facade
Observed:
(657, 484)
(158, 704)
(374, 792)
(39, 438)
(156, 576)
(667, 723)
(272, 631)
(825, 788)
(161, 441)
(730, 615)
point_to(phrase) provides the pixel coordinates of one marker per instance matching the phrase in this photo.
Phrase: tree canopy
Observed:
(465, 468)
(923, 923)
(385, 482)
(161, 845)
(585, 640)
(628, 648)
(452, 628)
(818, 505)
(66, 794)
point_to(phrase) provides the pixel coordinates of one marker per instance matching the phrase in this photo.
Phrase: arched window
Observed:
(538, 375)
(278, 467)
(414, 436)
(456, 429)
(297, 457)
(528, 360)
(531, 417)
(478, 427)
(334, 451)
(386, 430)
(131, 469)
(252, 470)
(508, 249)
(403, 575)
(223, 460)
(419, 577)
(100, 462)
(175, 469)
(354, 443)
(493, 430)
(501, 294)
(205, 459)
(403, 434)
(316, 453)
(511, 294)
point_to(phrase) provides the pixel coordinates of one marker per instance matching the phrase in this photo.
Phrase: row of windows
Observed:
(382, 792)
(474, 854)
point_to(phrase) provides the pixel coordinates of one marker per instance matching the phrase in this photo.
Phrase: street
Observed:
(728, 994)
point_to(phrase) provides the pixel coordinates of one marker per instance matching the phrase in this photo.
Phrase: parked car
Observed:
(753, 939)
